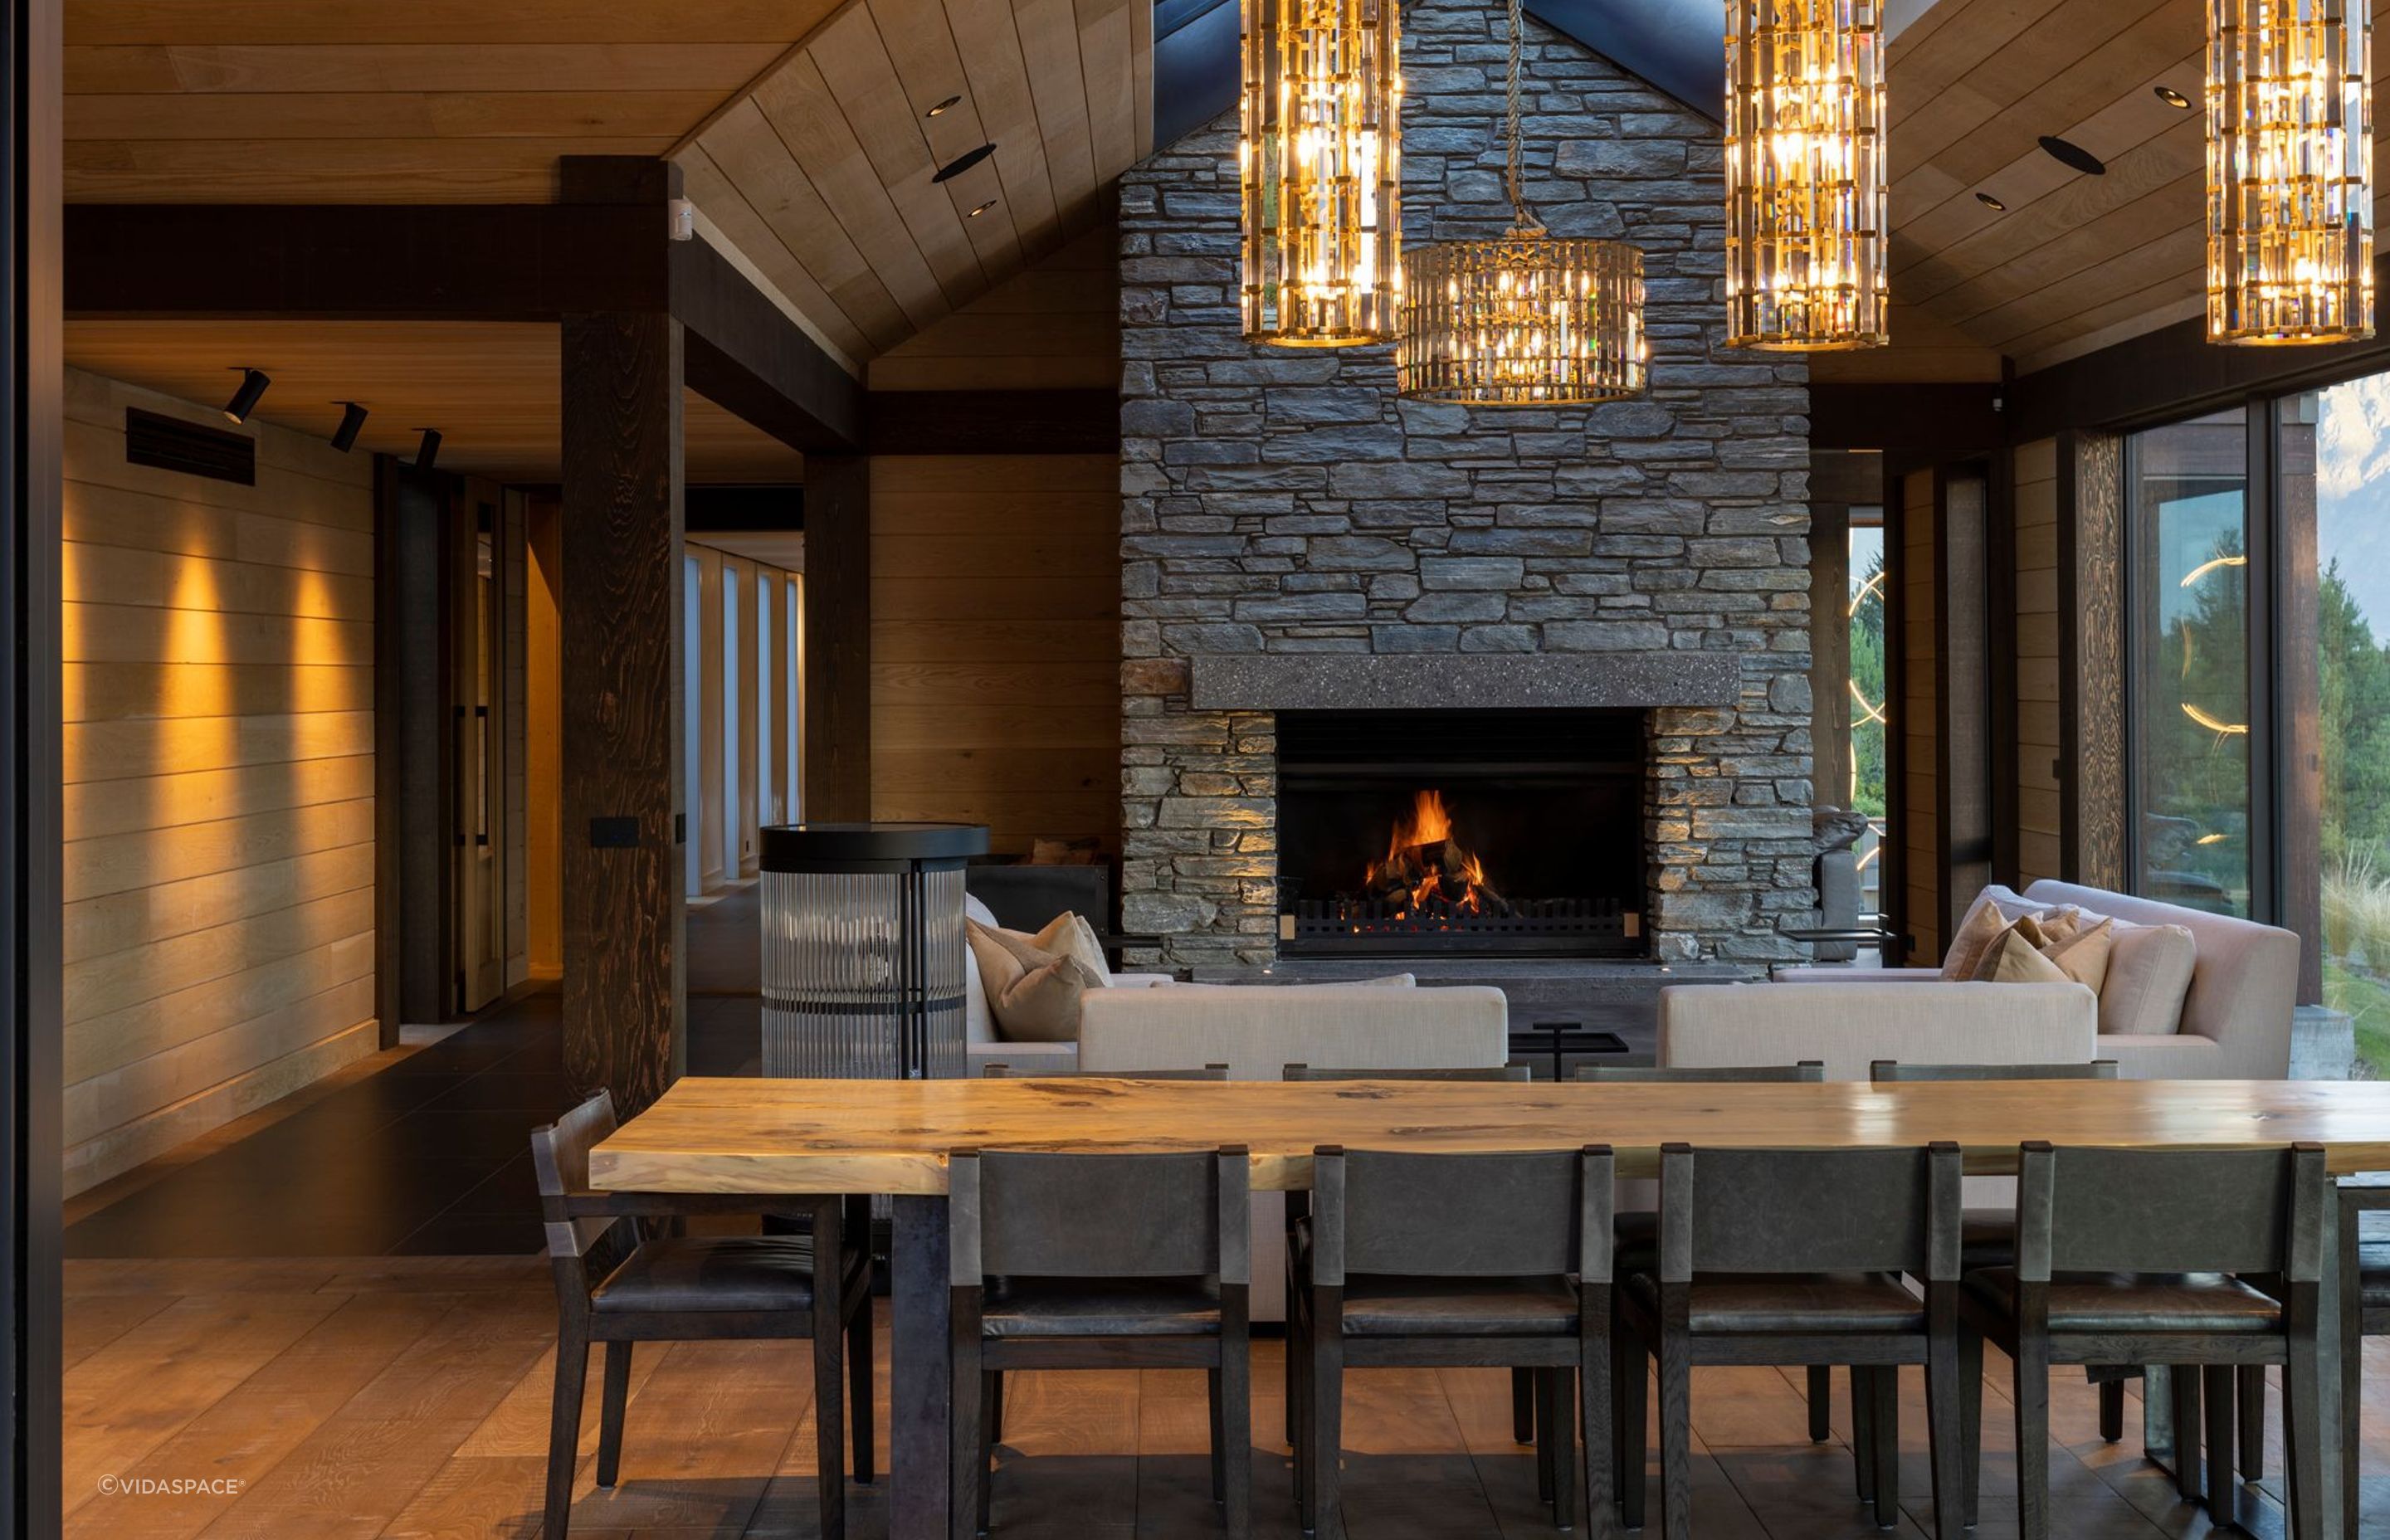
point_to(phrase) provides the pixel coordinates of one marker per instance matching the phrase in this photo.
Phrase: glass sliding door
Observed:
(2189, 490)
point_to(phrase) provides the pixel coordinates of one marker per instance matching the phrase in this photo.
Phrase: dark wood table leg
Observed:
(919, 1372)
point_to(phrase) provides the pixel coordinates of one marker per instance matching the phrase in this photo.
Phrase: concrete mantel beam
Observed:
(1311, 681)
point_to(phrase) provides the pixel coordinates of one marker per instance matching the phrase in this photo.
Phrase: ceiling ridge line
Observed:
(747, 92)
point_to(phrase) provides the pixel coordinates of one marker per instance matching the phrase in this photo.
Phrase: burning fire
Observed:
(1425, 868)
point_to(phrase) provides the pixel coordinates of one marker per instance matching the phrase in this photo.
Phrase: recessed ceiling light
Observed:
(2067, 153)
(963, 163)
(942, 107)
(2171, 96)
(1988, 202)
(982, 208)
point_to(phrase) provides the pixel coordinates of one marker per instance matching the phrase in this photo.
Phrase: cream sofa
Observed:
(2235, 1022)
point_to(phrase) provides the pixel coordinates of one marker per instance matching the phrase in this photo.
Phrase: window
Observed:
(2335, 448)
(2189, 505)
(1871, 704)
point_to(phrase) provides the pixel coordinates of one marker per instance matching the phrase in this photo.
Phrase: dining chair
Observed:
(2364, 1312)
(1638, 1229)
(1005, 1072)
(1746, 1274)
(670, 1287)
(1987, 1237)
(2147, 1256)
(1522, 1389)
(1488, 1261)
(1084, 1261)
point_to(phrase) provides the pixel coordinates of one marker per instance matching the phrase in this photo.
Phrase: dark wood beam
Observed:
(520, 262)
(2176, 372)
(838, 638)
(747, 356)
(993, 422)
(1929, 419)
(743, 510)
(624, 886)
(496, 262)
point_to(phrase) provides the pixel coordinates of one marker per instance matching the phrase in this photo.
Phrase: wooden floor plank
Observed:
(130, 1396)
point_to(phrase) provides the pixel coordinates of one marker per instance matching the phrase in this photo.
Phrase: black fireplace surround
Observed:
(1538, 851)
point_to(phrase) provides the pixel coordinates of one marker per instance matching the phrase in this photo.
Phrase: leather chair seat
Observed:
(712, 1273)
(1804, 1303)
(2208, 1303)
(1100, 1307)
(1381, 1306)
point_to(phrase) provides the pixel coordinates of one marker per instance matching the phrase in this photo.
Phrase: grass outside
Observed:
(2367, 1002)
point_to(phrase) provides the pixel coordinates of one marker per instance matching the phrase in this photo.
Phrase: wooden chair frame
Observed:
(579, 1218)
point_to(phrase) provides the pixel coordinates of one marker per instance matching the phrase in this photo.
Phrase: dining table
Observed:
(774, 1138)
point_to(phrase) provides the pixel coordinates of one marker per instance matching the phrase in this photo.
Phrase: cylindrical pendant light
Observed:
(2290, 171)
(1319, 158)
(1526, 319)
(1806, 200)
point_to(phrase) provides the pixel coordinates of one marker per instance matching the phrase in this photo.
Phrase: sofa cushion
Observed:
(979, 1021)
(2149, 974)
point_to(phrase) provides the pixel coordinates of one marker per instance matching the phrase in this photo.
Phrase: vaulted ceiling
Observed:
(806, 135)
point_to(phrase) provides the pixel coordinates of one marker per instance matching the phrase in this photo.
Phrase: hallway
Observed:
(418, 1152)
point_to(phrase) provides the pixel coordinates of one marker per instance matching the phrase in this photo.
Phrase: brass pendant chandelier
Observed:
(1806, 200)
(1526, 319)
(1319, 158)
(2290, 171)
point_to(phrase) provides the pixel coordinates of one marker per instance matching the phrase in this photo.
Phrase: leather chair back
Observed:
(1810, 1211)
(1037, 1214)
(1888, 1071)
(560, 1159)
(1514, 1072)
(2085, 1209)
(1536, 1215)
(1809, 1072)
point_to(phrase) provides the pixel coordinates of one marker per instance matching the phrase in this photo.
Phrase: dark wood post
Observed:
(624, 893)
(838, 638)
(624, 900)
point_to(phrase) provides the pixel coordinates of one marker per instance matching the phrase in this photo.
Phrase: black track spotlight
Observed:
(427, 454)
(244, 401)
(353, 423)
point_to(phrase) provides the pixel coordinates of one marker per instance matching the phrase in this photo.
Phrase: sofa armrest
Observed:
(1141, 981)
(1851, 1027)
(1804, 974)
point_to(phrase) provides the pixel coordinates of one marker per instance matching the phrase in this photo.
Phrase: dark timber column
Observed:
(838, 638)
(623, 899)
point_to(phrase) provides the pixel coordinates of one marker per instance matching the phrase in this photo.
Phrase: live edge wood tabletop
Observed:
(893, 1136)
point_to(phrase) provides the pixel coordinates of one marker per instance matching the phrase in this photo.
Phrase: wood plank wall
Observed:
(1920, 718)
(2040, 819)
(996, 643)
(219, 781)
(996, 579)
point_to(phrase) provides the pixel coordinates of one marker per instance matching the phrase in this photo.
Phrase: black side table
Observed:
(1562, 1038)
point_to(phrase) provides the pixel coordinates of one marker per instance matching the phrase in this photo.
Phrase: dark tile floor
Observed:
(431, 1156)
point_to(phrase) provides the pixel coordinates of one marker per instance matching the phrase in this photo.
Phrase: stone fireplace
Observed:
(1300, 544)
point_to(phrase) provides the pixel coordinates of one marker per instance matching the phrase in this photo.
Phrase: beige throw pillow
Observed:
(2148, 977)
(1071, 936)
(1034, 994)
(2013, 959)
(2081, 950)
(1995, 910)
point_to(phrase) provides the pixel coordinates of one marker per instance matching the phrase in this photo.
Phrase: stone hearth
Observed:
(1295, 536)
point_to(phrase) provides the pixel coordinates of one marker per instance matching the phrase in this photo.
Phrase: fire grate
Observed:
(1577, 927)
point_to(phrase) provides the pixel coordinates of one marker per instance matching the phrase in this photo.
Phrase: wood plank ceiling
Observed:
(2076, 261)
(821, 173)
